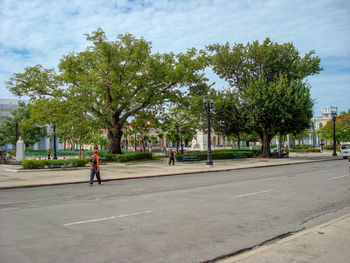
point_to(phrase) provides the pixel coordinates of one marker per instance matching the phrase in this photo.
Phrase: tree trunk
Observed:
(114, 141)
(79, 149)
(265, 148)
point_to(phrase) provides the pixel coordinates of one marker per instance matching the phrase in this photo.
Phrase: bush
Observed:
(109, 156)
(314, 150)
(128, 157)
(330, 147)
(217, 154)
(34, 164)
(302, 146)
(39, 164)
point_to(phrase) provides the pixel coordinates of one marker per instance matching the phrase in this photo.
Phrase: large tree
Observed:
(113, 80)
(270, 81)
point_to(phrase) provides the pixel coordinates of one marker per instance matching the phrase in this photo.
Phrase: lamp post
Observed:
(334, 118)
(208, 105)
(54, 142)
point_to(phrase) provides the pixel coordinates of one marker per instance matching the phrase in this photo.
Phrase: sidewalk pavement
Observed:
(329, 242)
(11, 177)
(326, 243)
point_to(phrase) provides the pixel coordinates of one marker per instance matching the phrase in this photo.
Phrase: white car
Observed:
(345, 150)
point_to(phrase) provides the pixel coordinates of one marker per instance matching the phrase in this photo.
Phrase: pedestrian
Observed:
(49, 154)
(95, 168)
(172, 157)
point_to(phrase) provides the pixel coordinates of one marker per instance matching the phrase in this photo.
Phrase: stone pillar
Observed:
(202, 140)
(20, 149)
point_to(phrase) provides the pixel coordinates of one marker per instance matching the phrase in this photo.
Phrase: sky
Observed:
(42, 31)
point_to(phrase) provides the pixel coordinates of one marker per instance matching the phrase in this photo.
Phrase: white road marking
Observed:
(107, 218)
(255, 193)
(335, 178)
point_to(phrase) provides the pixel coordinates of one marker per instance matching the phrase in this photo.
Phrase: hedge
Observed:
(60, 152)
(315, 150)
(134, 156)
(109, 156)
(39, 164)
(34, 164)
(330, 147)
(217, 154)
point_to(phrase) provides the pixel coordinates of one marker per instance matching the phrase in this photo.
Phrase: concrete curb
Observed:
(260, 249)
(159, 175)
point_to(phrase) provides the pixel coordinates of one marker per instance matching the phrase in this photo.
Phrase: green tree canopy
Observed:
(113, 80)
(269, 80)
(227, 117)
(342, 129)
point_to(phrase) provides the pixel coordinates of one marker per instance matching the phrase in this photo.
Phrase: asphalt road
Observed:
(183, 218)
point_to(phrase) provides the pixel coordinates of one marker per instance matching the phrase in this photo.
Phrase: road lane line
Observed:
(335, 178)
(255, 193)
(107, 218)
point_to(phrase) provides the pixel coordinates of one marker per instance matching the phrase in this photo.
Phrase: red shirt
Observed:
(96, 161)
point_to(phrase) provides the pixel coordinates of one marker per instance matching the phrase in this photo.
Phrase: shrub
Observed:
(109, 156)
(302, 146)
(39, 164)
(217, 154)
(315, 150)
(330, 147)
(34, 164)
(127, 157)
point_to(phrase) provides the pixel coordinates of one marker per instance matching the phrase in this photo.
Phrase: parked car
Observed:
(345, 149)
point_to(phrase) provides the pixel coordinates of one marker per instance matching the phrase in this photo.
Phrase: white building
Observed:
(320, 121)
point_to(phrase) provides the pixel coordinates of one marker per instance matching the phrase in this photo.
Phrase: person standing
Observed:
(171, 157)
(95, 168)
(49, 154)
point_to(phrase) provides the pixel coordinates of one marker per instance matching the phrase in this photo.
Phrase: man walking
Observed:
(95, 168)
(171, 157)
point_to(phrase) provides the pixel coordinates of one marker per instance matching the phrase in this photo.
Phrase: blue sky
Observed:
(41, 32)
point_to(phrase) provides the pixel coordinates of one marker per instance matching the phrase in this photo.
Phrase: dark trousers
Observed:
(172, 159)
(92, 175)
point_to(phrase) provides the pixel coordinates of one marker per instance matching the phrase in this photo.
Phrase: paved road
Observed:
(184, 218)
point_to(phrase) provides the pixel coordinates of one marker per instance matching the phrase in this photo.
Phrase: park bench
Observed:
(63, 163)
(238, 156)
(190, 158)
(102, 159)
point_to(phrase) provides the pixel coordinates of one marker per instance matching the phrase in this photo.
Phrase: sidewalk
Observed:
(329, 242)
(11, 177)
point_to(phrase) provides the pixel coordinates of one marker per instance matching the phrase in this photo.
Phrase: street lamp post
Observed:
(54, 142)
(334, 118)
(208, 105)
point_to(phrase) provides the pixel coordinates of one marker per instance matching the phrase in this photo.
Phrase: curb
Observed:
(159, 175)
(288, 238)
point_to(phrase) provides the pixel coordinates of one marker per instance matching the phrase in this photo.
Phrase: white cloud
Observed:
(40, 32)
